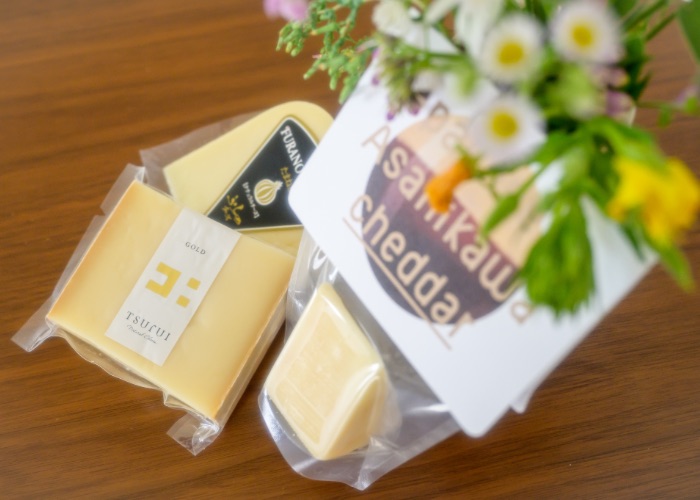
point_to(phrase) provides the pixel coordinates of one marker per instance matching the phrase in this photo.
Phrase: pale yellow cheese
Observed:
(198, 180)
(211, 362)
(329, 382)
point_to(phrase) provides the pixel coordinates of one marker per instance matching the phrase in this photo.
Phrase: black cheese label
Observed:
(258, 197)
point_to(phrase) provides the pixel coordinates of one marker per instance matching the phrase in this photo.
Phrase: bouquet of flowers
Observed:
(567, 77)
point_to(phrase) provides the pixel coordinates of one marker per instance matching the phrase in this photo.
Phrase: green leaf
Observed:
(536, 8)
(603, 179)
(595, 192)
(555, 146)
(627, 140)
(659, 27)
(689, 19)
(328, 28)
(622, 7)
(641, 16)
(633, 229)
(633, 239)
(665, 115)
(504, 208)
(634, 64)
(558, 272)
(576, 163)
(676, 264)
(691, 105)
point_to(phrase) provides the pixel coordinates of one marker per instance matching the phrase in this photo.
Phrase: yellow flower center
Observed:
(511, 53)
(504, 125)
(583, 35)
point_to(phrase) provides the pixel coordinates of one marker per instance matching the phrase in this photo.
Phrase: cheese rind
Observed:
(210, 364)
(329, 382)
(199, 179)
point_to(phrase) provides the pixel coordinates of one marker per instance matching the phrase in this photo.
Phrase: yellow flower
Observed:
(440, 188)
(668, 200)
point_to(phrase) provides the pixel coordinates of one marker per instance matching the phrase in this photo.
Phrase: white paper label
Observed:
(442, 294)
(173, 285)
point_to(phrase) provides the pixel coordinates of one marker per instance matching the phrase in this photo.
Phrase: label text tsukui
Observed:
(147, 328)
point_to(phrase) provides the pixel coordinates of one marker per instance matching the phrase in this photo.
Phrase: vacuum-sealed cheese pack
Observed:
(341, 402)
(239, 171)
(164, 297)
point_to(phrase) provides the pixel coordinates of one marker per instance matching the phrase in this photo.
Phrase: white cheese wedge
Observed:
(220, 347)
(201, 178)
(329, 382)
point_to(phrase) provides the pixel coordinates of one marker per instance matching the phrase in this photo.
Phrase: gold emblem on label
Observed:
(266, 191)
(172, 276)
(231, 210)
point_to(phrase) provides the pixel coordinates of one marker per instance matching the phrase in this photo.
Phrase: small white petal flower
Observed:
(392, 18)
(587, 31)
(509, 129)
(472, 21)
(512, 49)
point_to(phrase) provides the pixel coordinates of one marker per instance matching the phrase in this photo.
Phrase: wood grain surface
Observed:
(85, 85)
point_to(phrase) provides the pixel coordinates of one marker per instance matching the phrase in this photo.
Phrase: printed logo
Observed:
(257, 198)
(266, 191)
(437, 266)
(231, 210)
(172, 276)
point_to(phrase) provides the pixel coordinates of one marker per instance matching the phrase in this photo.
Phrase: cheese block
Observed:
(242, 178)
(219, 347)
(329, 383)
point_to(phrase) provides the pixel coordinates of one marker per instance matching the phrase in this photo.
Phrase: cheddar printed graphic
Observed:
(437, 266)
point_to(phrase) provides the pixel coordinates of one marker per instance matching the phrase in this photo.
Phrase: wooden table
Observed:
(86, 84)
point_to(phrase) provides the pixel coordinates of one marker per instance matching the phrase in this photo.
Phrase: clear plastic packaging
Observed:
(197, 428)
(239, 171)
(412, 418)
(156, 158)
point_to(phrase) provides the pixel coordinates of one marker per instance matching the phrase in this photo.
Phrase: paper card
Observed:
(443, 296)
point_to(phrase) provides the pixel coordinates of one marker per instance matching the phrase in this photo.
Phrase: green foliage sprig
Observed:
(341, 56)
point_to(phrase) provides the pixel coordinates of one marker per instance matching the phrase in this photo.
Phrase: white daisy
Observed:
(392, 18)
(509, 129)
(512, 49)
(587, 31)
(472, 21)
